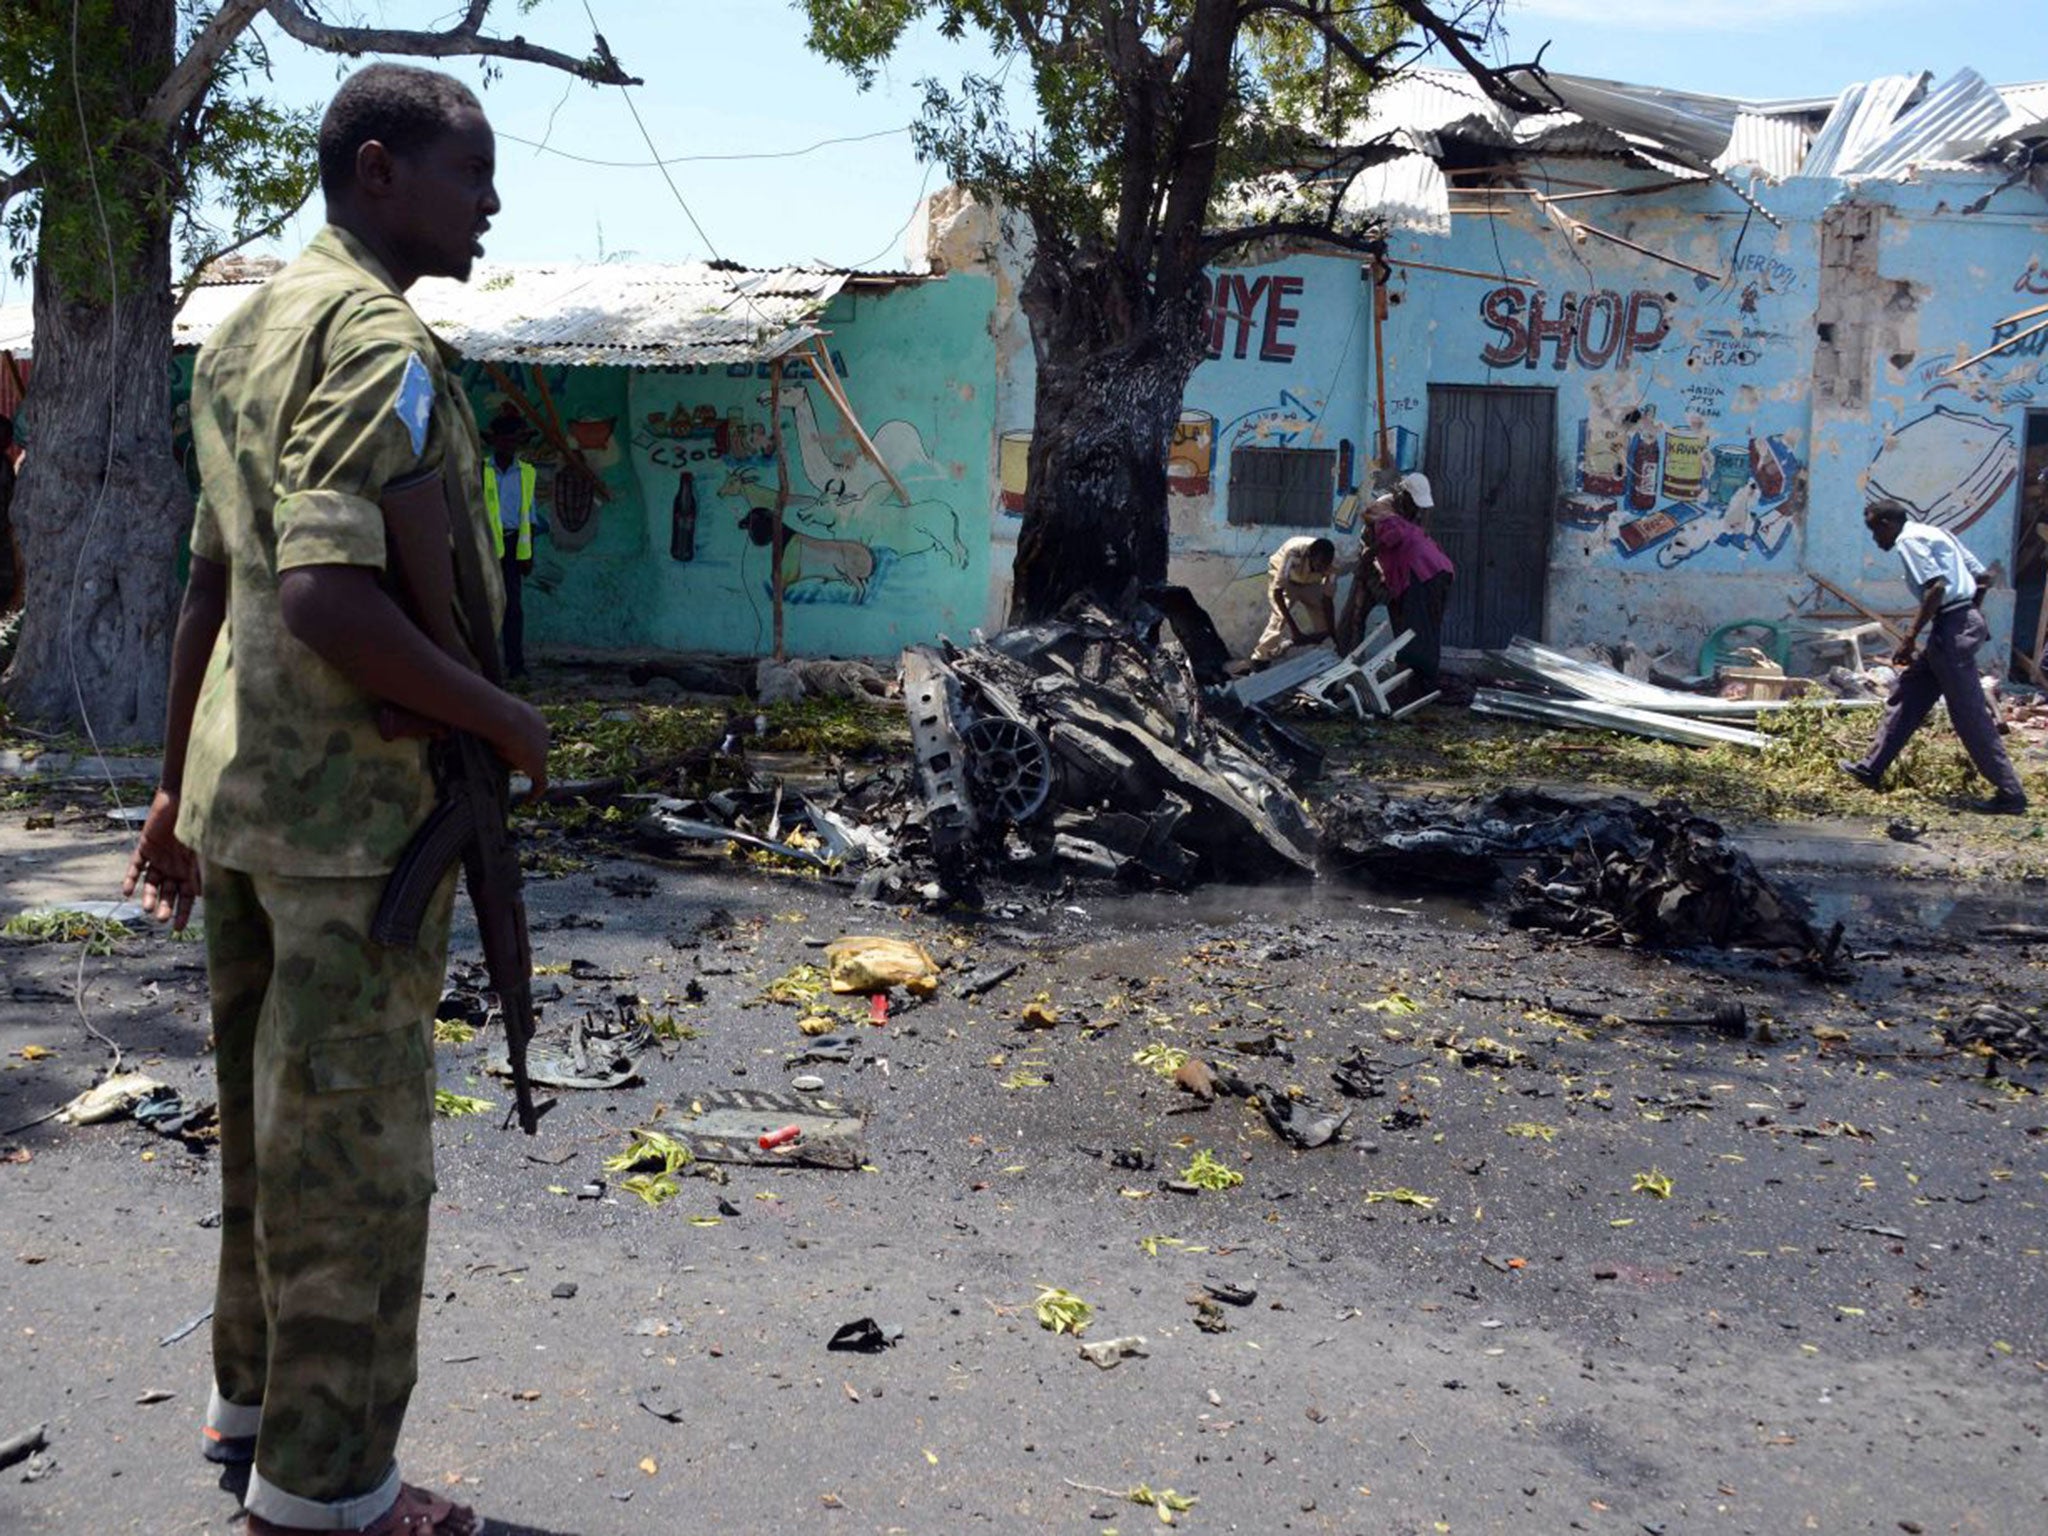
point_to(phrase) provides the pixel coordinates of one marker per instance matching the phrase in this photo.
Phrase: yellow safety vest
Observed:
(523, 548)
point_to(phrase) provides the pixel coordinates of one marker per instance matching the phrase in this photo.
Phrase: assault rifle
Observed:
(473, 799)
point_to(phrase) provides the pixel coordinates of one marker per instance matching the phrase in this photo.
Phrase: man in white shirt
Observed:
(1950, 583)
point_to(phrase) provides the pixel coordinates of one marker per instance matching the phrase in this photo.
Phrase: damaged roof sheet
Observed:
(1889, 127)
(644, 315)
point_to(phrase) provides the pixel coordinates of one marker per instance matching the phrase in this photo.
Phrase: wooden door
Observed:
(1490, 454)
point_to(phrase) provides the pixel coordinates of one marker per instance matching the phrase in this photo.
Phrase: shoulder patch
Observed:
(415, 403)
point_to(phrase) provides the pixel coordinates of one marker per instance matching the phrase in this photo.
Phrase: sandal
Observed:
(416, 1513)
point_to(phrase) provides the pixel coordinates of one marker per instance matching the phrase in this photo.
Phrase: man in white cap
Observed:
(1412, 498)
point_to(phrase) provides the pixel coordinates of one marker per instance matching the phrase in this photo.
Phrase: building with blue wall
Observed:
(1654, 361)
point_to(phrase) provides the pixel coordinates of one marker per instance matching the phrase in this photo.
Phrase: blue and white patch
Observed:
(415, 403)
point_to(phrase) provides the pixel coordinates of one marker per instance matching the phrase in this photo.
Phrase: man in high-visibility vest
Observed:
(508, 506)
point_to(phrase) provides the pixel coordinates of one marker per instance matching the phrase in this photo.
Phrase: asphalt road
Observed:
(1835, 1321)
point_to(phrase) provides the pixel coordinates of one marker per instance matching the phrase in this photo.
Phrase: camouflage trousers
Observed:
(324, 1050)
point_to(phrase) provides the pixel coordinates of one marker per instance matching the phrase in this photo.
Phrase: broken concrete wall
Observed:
(1922, 286)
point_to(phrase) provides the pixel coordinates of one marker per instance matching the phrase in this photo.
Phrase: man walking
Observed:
(1949, 582)
(508, 507)
(330, 438)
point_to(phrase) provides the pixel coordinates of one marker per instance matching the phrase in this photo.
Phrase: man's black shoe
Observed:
(1868, 778)
(2000, 805)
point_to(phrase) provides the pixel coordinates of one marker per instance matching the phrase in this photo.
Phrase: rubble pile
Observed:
(1609, 871)
(1994, 1029)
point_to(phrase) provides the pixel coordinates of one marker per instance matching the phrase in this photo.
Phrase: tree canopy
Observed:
(1155, 117)
(87, 104)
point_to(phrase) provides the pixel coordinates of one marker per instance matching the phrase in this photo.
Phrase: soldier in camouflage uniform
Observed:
(319, 401)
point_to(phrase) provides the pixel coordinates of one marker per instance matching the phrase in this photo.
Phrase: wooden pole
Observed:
(1382, 457)
(1993, 351)
(1580, 226)
(2025, 314)
(551, 434)
(828, 376)
(781, 496)
(1869, 613)
(1491, 277)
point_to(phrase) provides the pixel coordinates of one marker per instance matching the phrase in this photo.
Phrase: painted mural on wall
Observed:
(1669, 492)
(1675, 453)
(1953, 459)
(1254, 317)
(851, 540)
(864, 569)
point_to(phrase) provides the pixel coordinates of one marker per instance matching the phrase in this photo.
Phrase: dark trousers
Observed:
(1421, 608)
(512, 633)
(1946, 668)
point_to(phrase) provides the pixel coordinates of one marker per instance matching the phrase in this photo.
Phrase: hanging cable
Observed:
(666, 160)
(99, 502)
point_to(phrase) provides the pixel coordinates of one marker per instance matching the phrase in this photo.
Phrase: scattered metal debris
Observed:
(725, 1125)
(1609, 870)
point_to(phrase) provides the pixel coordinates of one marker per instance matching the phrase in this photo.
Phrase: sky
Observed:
(733, 78)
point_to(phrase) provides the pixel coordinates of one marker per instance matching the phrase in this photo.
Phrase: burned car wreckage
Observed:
(1083, 737)
(1091, 748)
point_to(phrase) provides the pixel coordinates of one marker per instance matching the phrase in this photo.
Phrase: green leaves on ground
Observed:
(454, 1106)
(650, 1163)
(1397, 1002)
(1205, 1172)
(1062, 1311)
(61, 925)
(1652, 1183)
(1402, 1196)
(1159, 1057)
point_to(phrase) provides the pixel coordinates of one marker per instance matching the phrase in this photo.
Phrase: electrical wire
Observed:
(666, 160)
(916, 204)
(99, 501)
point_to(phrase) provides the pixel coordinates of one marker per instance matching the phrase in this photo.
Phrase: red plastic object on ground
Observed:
(770, 1140)
(878, 1009)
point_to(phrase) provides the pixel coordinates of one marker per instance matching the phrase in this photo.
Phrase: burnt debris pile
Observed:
(1090, 745)
(1084, 748)
(1607, 871)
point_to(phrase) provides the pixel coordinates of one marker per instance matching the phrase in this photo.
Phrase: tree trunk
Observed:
(99, 535)
(1113, 365)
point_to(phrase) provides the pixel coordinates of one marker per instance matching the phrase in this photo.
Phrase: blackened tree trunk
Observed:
(101, 504)
(1116, 323)
(1095, 512)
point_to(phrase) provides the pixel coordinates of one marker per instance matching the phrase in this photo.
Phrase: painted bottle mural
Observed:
(1767, 469)
(1643, 457)
(682, 519)
(1603, 456)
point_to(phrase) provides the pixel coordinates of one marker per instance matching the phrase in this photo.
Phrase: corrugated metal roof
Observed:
(1408, 192)
(2029, 104)
(1957, 118)
(1774, 146)
(646, 315)
(1862, 117)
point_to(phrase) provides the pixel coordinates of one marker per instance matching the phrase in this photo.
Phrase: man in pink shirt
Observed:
(1417, 577)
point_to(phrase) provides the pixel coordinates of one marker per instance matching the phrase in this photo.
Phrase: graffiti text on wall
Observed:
(1242, 307)
(1591, 329)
